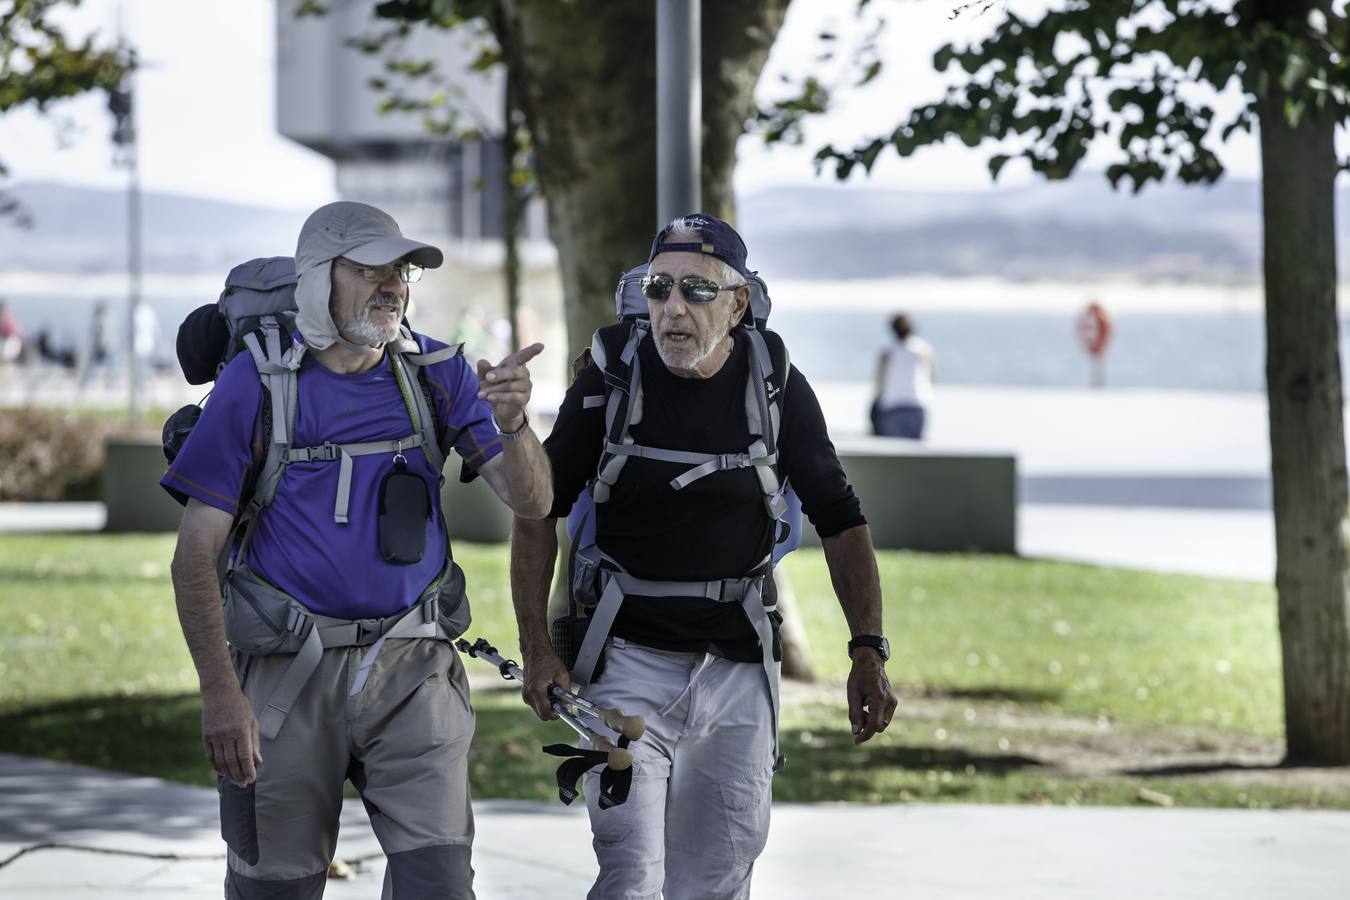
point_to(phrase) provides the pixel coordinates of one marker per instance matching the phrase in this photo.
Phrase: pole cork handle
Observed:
(631, 727)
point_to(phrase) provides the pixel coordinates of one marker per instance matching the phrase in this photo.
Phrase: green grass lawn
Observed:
(1012, 672)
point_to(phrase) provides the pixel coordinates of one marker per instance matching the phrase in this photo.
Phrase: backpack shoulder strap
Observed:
(614, 349)
(408, 365)
(769, 366)
(278, 370)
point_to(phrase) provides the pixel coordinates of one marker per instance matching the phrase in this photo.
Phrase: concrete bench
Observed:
(939, 500)
(135, 501)
(914, 497)
(132, 468)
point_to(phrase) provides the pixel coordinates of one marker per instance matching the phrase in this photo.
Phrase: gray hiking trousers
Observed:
(403, 741)
(697, 815)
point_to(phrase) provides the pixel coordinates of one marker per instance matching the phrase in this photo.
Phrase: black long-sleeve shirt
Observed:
(716, 527)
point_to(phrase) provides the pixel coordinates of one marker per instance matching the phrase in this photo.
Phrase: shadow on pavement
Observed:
(46, 801)
(157, 734)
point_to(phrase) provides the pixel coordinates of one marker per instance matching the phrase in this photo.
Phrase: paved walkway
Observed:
(539, 850)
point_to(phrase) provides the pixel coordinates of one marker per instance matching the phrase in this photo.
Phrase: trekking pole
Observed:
(617, 776)
(631, 727)
(618, 758)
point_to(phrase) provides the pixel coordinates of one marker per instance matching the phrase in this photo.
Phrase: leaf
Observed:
(1293, 111)
(943, 57)
(996, 164)
(870, 73)
(869, 155)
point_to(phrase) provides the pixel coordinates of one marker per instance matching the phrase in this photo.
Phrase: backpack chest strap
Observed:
(327, 452)
(703, 463)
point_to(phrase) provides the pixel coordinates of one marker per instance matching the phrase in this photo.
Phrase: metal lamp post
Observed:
(120, 104)
(679, 109)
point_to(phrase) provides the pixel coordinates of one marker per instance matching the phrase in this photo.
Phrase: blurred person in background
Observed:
(11, 337)
(146, 339)
(100, 352)
(904, 383)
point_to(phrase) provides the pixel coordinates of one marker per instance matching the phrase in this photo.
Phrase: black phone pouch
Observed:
(405, 506)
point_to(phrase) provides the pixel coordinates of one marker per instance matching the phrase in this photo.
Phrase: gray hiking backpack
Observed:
(258, 309)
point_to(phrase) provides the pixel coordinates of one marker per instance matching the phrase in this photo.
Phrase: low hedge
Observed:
(55, 454)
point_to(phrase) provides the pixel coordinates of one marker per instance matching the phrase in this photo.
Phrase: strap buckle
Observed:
(299, 623)
(326, 452)
(368, 631)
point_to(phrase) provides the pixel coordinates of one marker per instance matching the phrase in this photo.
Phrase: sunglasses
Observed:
(695, 288)
(408, 273)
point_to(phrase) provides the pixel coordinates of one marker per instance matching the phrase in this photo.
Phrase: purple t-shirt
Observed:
(333, 569)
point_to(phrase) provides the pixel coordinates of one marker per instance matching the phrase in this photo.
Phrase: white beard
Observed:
(689, 354)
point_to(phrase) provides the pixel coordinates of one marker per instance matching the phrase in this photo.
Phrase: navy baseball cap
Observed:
(719, 240)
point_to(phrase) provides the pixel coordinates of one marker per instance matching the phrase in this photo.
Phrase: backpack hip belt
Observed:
(613, 585)
(262, 620)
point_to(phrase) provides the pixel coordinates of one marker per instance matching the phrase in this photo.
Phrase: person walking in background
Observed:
(11, 337)
(904, 383)
(100, 351)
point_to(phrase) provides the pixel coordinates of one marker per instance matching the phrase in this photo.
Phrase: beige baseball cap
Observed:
(359, 232)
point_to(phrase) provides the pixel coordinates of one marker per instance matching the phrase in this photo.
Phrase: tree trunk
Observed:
(585, 79)
(585, 73)
(1307, 437)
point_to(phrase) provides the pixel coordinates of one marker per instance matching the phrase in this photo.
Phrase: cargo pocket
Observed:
(238, 819)
(745, 804)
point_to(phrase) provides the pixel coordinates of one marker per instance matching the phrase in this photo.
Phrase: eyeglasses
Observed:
(695, 288)
(408, 273)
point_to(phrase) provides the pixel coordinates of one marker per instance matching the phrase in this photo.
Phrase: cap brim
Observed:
(391, 249)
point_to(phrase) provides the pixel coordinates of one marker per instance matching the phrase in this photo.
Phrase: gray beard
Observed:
(688, 356)
(361, 330)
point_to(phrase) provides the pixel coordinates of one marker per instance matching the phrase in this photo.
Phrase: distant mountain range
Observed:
(83, 231)
(1062, 230)
(1067, 230)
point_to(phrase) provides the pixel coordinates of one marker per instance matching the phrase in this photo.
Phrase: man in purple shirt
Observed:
(330, 659)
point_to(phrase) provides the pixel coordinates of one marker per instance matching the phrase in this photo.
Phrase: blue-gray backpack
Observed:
(597, 582)
(630, 308)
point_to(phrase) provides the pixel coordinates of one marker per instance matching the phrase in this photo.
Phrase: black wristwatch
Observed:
(875, 641)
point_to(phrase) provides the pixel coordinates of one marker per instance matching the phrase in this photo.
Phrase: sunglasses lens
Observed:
(657, 287)
(698, 290)
(410, 273)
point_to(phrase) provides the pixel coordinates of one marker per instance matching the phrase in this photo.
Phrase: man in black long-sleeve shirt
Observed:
(678, 652)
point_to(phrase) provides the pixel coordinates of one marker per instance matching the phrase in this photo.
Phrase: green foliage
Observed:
(40, 66)
(1124, 70)
(782, 119)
